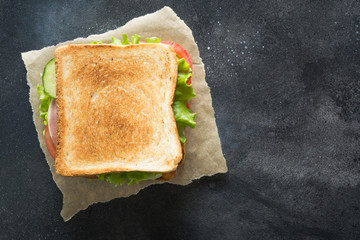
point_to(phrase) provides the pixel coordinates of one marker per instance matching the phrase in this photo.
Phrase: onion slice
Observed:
(52, 121)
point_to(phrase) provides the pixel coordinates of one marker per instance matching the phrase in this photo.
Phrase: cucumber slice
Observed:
(49, 79)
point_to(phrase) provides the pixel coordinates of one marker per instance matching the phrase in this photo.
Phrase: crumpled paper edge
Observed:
(184, 176)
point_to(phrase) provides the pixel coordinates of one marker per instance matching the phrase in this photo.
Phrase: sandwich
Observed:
(117, 111)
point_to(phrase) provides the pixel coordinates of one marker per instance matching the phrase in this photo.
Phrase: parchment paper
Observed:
(203, 150)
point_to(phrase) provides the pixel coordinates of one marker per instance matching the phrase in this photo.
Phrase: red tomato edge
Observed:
(180, 51)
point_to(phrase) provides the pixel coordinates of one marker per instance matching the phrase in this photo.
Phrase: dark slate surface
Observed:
(284, 77)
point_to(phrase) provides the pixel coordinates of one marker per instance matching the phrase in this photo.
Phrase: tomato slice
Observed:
(49, 143)
(182, 53)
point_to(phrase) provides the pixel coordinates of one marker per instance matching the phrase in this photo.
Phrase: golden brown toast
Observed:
(114, 109)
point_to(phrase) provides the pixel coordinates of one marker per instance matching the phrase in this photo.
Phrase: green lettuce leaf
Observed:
(181, 129)
(125, 41)
(128, 177)
(183, 118)
(115, 41)
(182, 114)
(45, 102)
(96, 42)
(152, 40)
(135, 39)
(183, 90)
(183, 93)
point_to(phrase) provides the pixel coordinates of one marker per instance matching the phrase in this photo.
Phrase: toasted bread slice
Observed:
(114, 109)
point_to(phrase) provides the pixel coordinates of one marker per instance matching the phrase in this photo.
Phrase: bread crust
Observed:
(167, 176)
(114, 107)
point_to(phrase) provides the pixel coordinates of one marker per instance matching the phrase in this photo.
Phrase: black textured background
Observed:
(284, 77)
